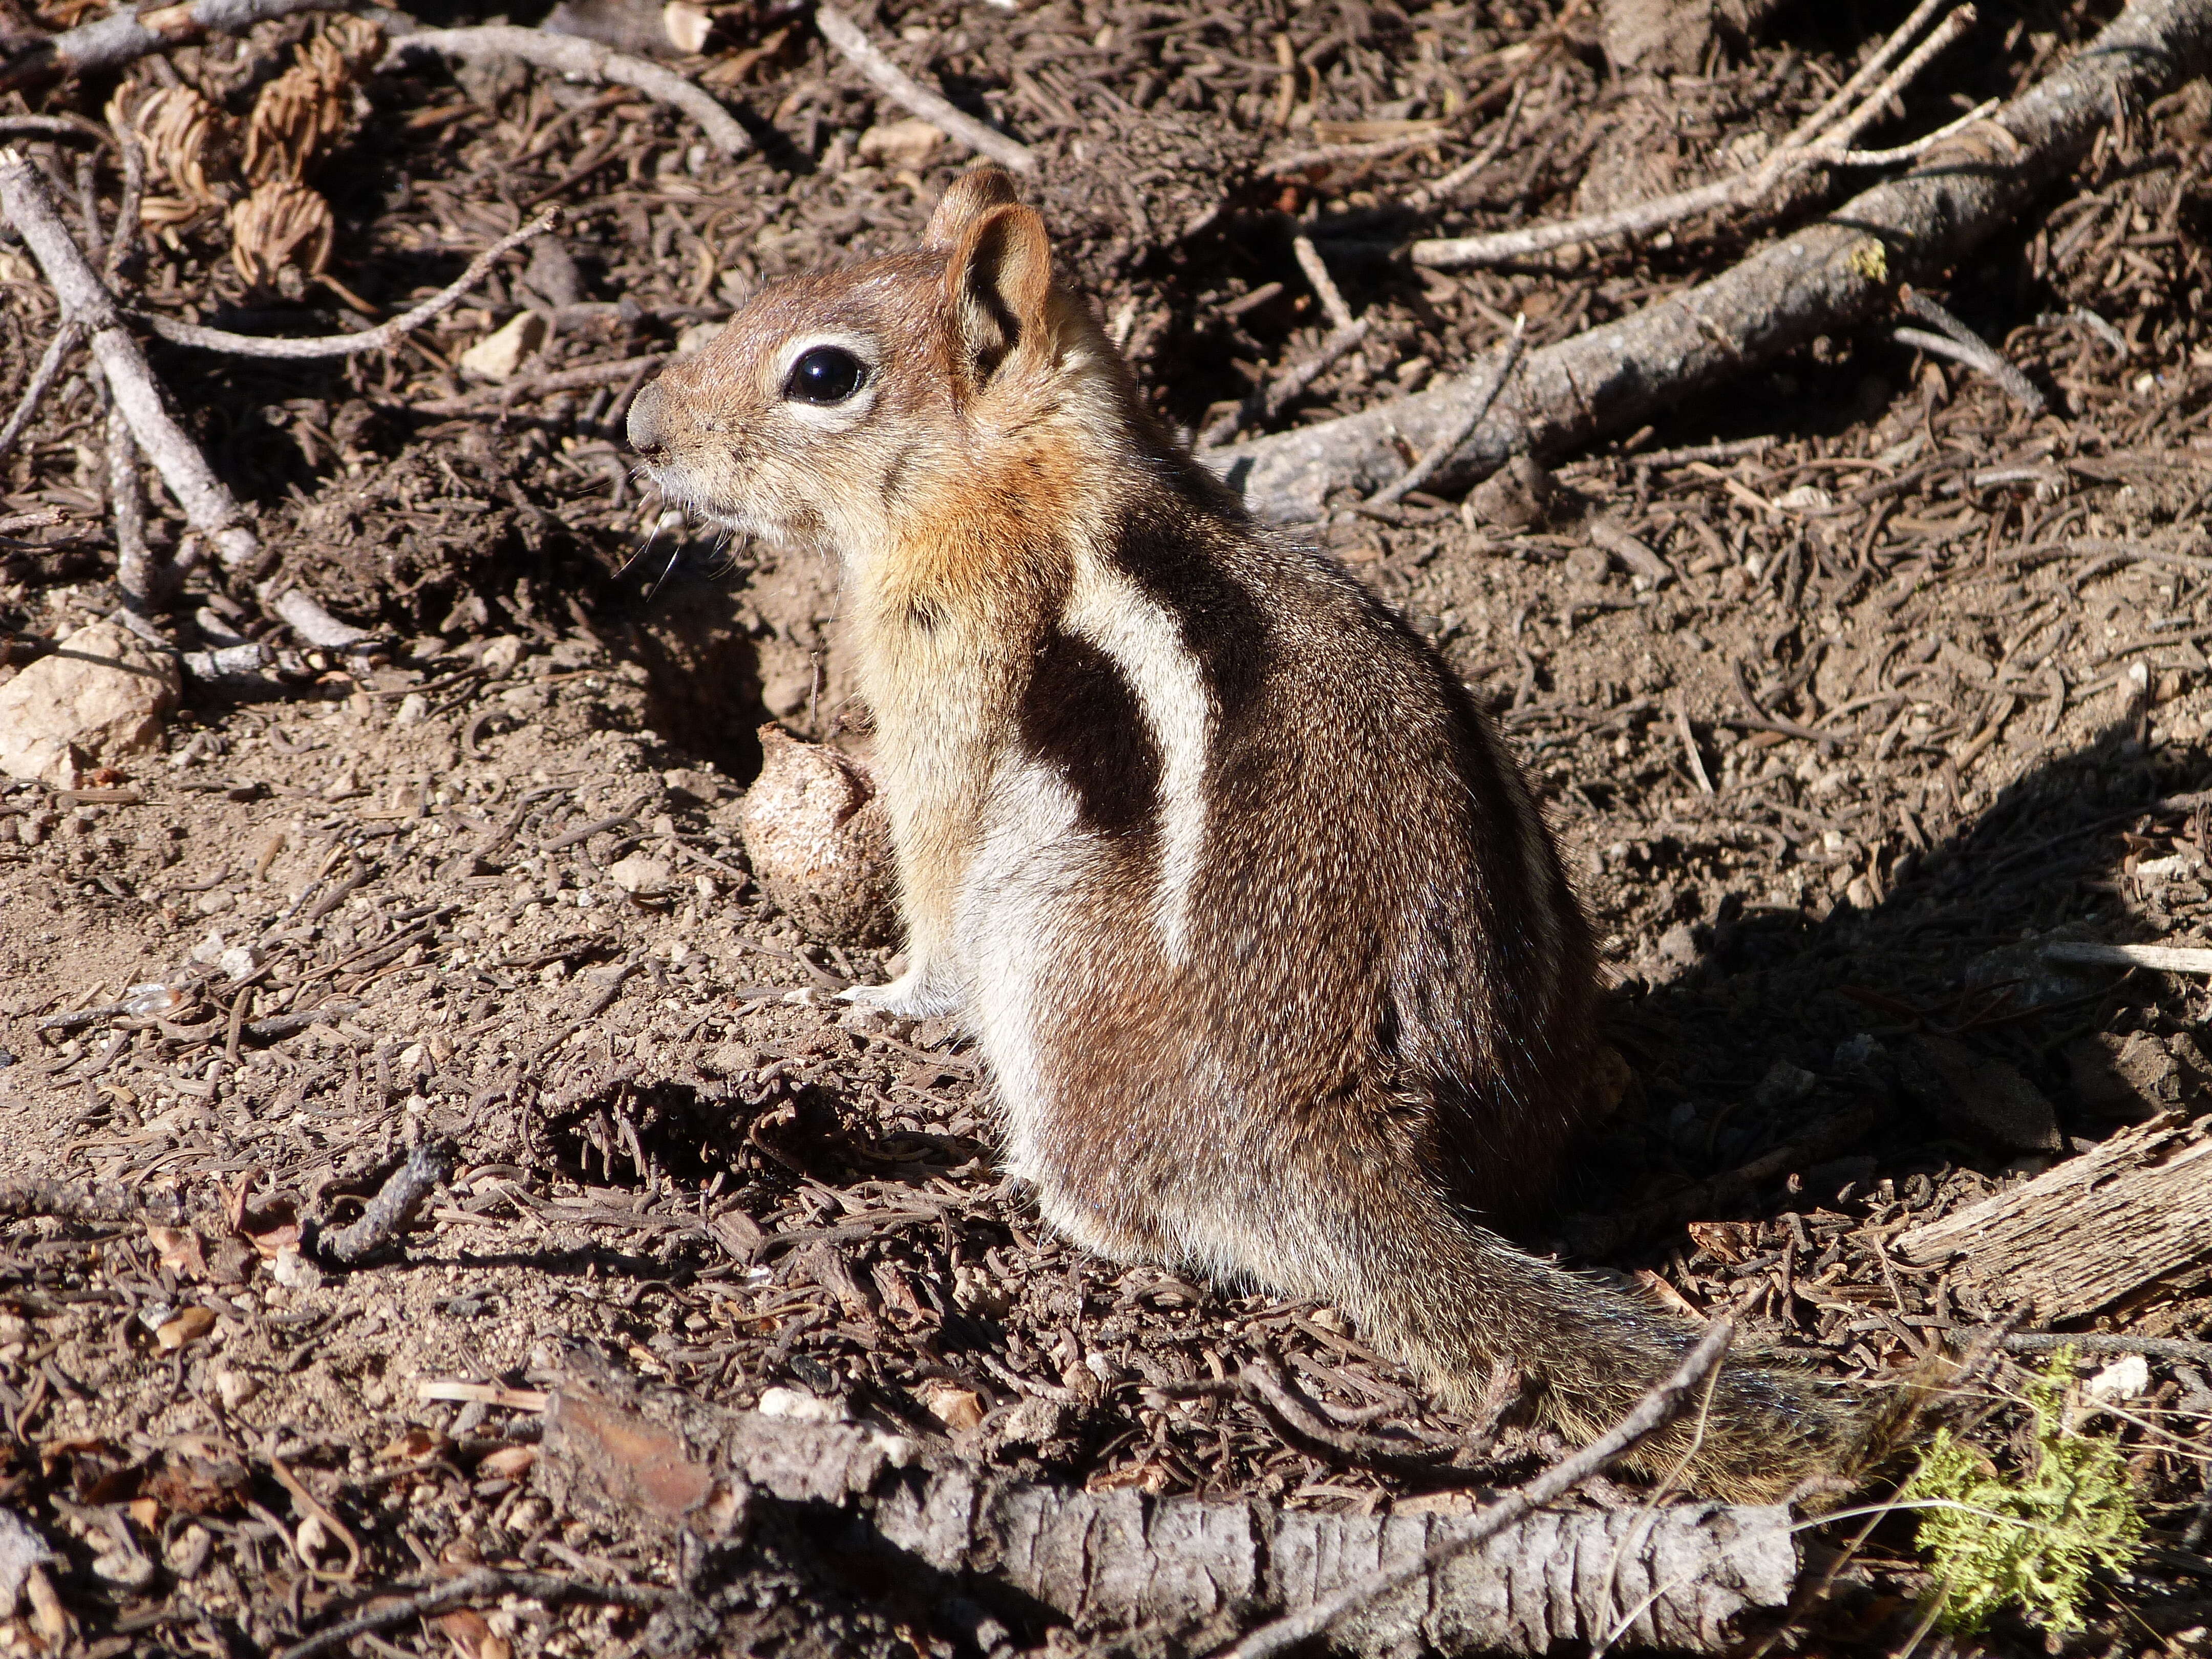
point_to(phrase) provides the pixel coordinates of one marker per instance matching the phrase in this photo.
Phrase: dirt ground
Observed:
(1908, 710)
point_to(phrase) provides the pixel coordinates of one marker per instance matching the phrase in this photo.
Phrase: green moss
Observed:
(2032, 1541)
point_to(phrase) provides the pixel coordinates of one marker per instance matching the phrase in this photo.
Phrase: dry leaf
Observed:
(273, 1229)
(954, 1407)
(508, 1463)
(189, 1326)
(180, 1249)
(145, 1511)
(417, 1445)
(1731, 1242)
(471, 1635)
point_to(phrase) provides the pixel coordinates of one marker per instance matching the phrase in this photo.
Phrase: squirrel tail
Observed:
(1460, 1299)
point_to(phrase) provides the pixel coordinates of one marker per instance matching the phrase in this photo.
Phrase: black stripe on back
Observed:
(1080, 717)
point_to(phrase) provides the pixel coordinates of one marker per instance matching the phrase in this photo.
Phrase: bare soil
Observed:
(1906, 712)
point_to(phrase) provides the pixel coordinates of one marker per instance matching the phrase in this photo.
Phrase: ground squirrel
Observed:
(1262, 938)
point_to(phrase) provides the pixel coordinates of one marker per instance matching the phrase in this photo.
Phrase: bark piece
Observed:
(1830, 276)
(1680, 1577)
(100, 697)
(2089, 1231)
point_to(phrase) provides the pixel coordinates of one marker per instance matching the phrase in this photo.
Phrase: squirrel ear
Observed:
(969, 198)
(999, 283)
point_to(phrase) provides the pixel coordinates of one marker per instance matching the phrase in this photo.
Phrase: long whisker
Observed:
(675, 558)
(643, 548)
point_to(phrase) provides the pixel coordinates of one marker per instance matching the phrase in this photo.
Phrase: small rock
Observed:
(234, 1388)
(100, 697)
(2131, 1077)
(1679, 945)
(22, 1548)
(641, 876)
(499, 657)
(413, 708)
(2124, 1379)
(818, 839)
(128, 1568)
(295, 1271)
(1587, 565)
(957, 1408)
(208, 950)
(1517, 496)
(901, 144)
(1784, 1085)
(1972, 1095)
(499, 354)
(240, 962)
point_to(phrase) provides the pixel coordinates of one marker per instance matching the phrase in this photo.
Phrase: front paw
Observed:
(912, 995)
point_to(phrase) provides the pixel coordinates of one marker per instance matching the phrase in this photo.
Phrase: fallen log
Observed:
(1830, 276)
(2081, 1236)
(1683, 1577)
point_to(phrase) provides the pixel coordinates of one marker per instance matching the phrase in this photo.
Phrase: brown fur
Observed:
(1260, 930)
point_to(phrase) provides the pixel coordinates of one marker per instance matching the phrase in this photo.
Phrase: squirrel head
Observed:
(838, 408)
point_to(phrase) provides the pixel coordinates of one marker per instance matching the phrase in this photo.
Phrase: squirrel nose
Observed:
(648, 422)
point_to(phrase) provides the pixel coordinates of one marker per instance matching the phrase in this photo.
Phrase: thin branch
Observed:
(583, 377)
(392, 1209)
(1376, 149)
(1324, 285)
(1740, 190)
(484, 1584)
(128, 34)
(903, 89)
(145, 582)
(1654, 1411)
(1421, 472)
(369, 339)
(1971, 350)
(1268, 400)
(209, 506)
(66, 340)
(1444, 187)
(1875, 104)
(1844, 96)
(580, 60)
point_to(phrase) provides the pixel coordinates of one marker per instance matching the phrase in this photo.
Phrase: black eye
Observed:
(827, 374)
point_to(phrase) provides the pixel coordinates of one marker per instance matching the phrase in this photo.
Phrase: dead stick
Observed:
(582, 60)
(903, 89)
(485, 1584)
(1743, 190)
(126, 35)
(49, 370)
(1828, 276)
(392, 1209)
(1658, 1407)
(383, 334)
(145, 581)
(1441, 451)
(210, 507)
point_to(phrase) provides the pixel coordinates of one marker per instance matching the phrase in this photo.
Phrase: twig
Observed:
(128, 229)
(1690, 746)
(583, 377)
(1324, 285)
(1962, 345)
(1441, 188)
(65, 340)
(1422, 471)
(392, 1209)
(127, 35)
(1268, 400)
(1884, 55)
(73, 1200)
(1658, 1407)
(2150, 1348)
(1376, 149)
(369, 339)
(2159, 958)
(894, 83)
(1742, 189)
(147, 583)
(210, 507)
(486, 1584)
(580, 60)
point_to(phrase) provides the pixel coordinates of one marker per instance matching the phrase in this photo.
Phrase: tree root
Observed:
(1828, 276)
